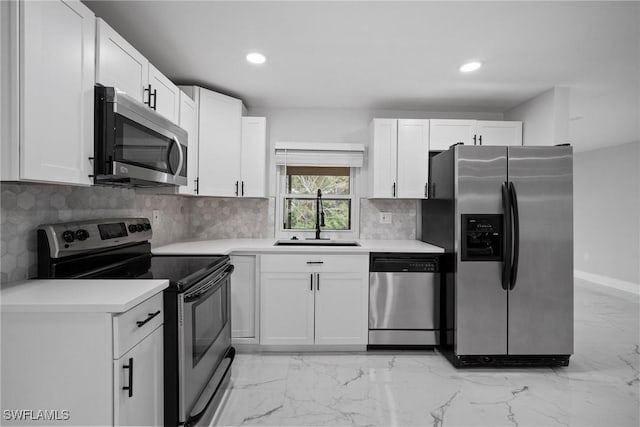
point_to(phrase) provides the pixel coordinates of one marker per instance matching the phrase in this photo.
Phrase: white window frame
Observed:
(281, 194)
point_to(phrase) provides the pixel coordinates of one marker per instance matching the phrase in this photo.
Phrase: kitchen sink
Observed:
(316, 242)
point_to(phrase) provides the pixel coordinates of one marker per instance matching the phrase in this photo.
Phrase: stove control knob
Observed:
(68, 236)
(82, 234)
(147, 226)
(140, 227)
(132, 228)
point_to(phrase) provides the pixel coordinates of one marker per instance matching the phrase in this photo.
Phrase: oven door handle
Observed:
(209, 287)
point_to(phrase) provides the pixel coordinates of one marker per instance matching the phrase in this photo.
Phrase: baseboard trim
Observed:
(609, 282)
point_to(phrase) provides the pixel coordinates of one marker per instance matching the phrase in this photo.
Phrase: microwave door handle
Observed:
(181, 159)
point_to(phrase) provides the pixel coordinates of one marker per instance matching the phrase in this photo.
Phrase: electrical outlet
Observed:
(156, 217)
(386, 217)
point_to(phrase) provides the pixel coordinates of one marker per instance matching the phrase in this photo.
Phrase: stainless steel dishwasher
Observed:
(404, 300)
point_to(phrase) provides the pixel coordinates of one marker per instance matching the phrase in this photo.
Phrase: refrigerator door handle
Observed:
(506, 249)
(516, 235)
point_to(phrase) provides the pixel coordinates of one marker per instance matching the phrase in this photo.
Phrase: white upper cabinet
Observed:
(253, 157)
(189, 122)
(165, 96)
(220, 121)
(231, 148)
(52, 131)
(445, 133)
(413, 159)
(399, 158)
(383, 151)
(119, 64)
(499, 132)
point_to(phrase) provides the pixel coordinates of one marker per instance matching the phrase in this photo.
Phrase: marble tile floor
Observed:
(599, 388)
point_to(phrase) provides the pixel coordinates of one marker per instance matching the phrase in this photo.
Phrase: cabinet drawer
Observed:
(314, 262)
(129, 328)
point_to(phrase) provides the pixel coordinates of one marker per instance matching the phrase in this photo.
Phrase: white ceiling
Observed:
(401, 55)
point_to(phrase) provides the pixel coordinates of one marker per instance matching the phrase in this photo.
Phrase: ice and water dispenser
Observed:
(482, 237)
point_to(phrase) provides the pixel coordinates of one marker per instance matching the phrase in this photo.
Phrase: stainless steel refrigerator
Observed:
(505, 217)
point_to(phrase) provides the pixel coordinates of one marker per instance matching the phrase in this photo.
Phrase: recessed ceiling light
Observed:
(256, 58)
(470, 66)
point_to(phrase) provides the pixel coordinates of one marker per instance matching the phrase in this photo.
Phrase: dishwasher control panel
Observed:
(416, 263)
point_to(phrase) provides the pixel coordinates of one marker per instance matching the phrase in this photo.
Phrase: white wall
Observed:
(607, 214)
(545, 118)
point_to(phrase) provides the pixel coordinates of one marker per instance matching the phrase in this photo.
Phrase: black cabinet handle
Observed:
(148, 91)
(318, 282)
(474, 140)
(150, 316)
(394, 189)
(426, 190)
(197, 185)
(480, 139)
(236, 188)
(311, 282)
(243, 188)
(130, 368)
(315, 262)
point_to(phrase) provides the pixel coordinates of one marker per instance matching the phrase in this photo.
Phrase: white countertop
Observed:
(78, 295)
(228, 246)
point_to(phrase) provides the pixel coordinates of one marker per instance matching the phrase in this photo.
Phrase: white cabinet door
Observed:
(189, 122)
(341, 308)
(382, 158)
(141, 371)
(413, 159)
(57, 74)
(119, 64)
(253, 157)
(243, 297)
(499, 132)
(286, 308)
(219, 119)
(445, 133)
(166, 95)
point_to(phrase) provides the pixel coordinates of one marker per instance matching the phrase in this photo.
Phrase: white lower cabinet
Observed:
(339, 308)
(93, 368)
(243, 299)
(286, 307)
(138, 388)
(314, 299)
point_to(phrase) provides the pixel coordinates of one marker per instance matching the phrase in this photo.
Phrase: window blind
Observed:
(319, 154)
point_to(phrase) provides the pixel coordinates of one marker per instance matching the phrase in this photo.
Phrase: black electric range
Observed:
(197, 308)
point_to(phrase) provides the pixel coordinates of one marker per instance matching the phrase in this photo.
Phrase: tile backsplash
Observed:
(25, 206)
(214, 218)
(403, 223)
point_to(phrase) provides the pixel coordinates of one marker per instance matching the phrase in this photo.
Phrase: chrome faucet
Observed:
(319, 214)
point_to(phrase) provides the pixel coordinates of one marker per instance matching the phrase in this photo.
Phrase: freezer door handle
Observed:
(506, 250)
(516, 235)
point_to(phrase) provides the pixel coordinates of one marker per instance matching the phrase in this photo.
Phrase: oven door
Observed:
(205, 335)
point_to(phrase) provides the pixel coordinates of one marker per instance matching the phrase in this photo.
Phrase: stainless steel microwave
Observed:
(134, 145)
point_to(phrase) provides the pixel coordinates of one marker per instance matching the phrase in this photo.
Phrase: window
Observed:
(299, 197)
